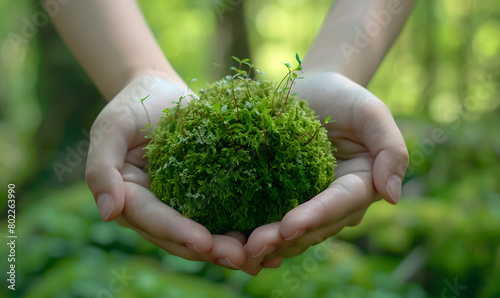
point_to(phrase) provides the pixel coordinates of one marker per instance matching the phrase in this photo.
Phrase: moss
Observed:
(214, 162)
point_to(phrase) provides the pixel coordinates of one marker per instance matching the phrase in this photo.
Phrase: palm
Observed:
(139, 208)
(356, 134)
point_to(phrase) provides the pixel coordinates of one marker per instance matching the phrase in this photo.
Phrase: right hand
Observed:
(115, 175)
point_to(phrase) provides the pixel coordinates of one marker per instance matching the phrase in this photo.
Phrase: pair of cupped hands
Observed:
(371, 162)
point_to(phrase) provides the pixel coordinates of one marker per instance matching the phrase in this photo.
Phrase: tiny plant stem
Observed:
(304, 135)
(310, 132)
(286, 99)
(248, 89)
(182, 122)
(198, 129)
(312, 136)
(230, 134)
(174, 119)
(179, 151)
(265, 140)
(235, 103)
(249, 70)
(272, 101)
(213, 73)
(201, 114)
(147, 115)
(284, 89)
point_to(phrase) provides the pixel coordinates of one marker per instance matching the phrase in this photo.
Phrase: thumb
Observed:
(388, 172)
(108, 148)
(386, 144)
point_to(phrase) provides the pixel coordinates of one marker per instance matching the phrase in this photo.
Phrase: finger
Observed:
(274, 262)
(136, 157)
(316, 236)
(265, 240)
(148, 214)
(170, 247)
(105, 160)
(346, 195)
(238, 236)
(228, 252)
(254, 271)
(131, 173)
(383, 139)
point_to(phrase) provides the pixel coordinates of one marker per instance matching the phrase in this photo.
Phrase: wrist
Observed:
(161, 71)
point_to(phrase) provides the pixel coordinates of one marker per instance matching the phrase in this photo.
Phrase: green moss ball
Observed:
(239, 161)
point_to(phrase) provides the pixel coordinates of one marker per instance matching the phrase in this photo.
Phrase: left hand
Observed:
(371, 158)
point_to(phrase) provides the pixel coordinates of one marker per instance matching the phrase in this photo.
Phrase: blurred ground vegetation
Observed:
(441, 80)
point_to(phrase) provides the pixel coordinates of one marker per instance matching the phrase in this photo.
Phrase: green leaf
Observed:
(245, 60)
(149, 124)
(287, 65)
(297, 58)
(142, 100)
(216, 106)
(166, 111)
(236, 58)
(217, 65)
(327, 119)
(294, 75)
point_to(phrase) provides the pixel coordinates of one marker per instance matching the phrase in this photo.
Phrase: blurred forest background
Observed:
(441, 80)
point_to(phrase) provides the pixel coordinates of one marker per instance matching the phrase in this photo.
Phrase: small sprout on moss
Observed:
(291, 76)
(240, 61)
(147, 127)
(258, 73)
(147, 115)
(327, 120)
(250, 65)
(246, 84)
(235, 103)
(213, 73)
(189, 80)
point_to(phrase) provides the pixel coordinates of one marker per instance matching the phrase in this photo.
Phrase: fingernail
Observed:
(297, 234)
(266, 250)
(193, 247)
(105, 204)
(226, 262)
(393, 188)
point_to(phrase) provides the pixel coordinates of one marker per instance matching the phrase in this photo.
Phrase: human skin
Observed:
(371, 152)
(114, 45)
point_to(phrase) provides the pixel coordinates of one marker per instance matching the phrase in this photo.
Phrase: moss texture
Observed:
(229, 162)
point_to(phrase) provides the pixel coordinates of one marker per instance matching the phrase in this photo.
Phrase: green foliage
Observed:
(231, 160)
